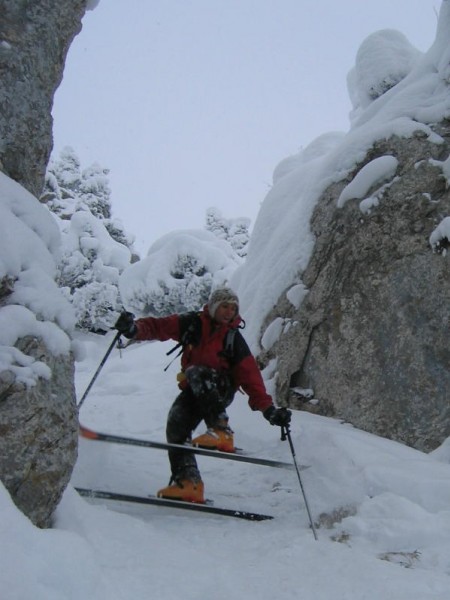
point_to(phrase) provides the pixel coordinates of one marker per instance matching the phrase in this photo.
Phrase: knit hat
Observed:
(222, 295)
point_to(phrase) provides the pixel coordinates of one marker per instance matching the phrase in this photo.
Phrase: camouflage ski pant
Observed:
(205, 399)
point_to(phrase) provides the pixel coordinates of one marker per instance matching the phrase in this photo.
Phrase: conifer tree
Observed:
(95, 247)
(178, 273)
(234, 231)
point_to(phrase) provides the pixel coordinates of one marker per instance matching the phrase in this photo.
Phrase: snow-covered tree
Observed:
(89, 271)
(178, 273)
(234, 231)
(62, 182)
(69, 189)
(95, 192)
(95, 247)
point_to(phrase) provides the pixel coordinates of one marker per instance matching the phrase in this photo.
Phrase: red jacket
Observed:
(207, 352)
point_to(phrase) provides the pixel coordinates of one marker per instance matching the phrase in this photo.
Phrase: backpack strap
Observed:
(229, 342)
(191, 331)
(228, 345)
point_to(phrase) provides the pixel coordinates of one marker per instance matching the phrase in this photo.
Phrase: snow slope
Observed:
(393, 502)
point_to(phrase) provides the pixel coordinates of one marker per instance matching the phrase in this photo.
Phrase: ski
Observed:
(236, 456)
(153, 500)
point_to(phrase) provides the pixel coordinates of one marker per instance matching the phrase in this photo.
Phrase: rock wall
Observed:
(35, 36)
(39, 432)
(371, 337)
(38, 424)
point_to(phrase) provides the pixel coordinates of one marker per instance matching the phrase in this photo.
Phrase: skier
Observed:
(215, 363)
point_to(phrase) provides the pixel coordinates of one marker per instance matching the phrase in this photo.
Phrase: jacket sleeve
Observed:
(161, 329)
(247, 375)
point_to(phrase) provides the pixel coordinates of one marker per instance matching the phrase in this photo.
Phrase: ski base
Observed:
(153, 500)
(239, 456)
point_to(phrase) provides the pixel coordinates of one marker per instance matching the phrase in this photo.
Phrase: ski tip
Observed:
(87, 433)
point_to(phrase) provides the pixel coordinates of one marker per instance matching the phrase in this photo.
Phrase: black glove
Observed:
(125, 324)
(278, 416)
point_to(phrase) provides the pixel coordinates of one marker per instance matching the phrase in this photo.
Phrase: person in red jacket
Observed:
(215, 362)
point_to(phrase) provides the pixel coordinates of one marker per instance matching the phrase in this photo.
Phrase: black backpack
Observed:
(191, 328)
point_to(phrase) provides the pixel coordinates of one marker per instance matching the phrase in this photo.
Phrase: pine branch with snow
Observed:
(234, 231)
(178, 273)
(95, 247)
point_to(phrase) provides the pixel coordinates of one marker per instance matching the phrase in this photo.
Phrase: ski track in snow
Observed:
(168, 552)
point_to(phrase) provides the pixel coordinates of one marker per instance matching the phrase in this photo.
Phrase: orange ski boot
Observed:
(216, 438)
(185, 490)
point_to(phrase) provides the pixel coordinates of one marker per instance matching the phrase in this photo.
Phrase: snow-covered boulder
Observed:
(38, 416)
(346, 283)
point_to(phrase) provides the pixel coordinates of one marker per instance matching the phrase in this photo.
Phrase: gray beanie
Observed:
(222, 295)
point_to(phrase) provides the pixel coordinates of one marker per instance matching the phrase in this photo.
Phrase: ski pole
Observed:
(285, 433)
(100, 366)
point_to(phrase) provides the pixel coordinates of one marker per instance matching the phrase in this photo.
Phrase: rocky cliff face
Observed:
(38, 423)
(39, 431)
(358, 228)
(371, 337)
(34, 40)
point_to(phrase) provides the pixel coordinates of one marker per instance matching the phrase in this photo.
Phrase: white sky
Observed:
(192, 103)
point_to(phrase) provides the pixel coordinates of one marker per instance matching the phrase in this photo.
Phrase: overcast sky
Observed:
(192, 103)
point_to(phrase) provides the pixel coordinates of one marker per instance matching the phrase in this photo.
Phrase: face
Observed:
(225, 312)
